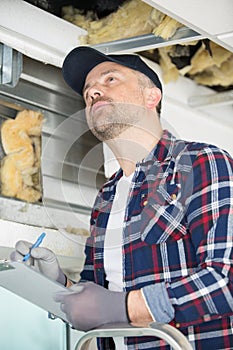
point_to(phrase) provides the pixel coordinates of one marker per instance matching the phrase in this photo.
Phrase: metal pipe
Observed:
(163, 331)
(220, 98)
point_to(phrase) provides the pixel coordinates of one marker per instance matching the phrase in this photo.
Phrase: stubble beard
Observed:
(113, 119)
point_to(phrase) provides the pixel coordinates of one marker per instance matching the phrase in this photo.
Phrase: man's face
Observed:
(114, 99)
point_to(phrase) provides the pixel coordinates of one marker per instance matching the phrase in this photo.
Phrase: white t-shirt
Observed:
(113, 264)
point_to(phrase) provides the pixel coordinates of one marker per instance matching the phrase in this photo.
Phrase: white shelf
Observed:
(37, 33)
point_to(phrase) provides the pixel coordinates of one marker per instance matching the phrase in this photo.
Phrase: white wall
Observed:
(211, 124)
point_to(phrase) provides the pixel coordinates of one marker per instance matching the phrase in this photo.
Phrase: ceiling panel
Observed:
(212, 18)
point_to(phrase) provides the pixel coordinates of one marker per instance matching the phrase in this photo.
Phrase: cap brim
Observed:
(78, 63)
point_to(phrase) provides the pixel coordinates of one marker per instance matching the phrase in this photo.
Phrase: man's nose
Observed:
(95, 91)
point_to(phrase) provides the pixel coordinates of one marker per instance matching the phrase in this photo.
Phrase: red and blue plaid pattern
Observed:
(178, 232)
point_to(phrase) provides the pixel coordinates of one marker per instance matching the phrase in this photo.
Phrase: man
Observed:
(161, 228)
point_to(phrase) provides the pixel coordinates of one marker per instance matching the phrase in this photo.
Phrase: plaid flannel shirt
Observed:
(177, 241)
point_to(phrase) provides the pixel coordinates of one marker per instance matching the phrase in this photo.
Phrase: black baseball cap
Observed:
(81, 60)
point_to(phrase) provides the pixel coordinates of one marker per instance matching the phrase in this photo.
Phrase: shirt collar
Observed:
(160, 153)
(163, 149)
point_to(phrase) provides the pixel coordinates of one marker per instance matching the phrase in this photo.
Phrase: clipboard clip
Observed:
(52, 316)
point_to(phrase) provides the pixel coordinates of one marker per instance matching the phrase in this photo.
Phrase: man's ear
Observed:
(152, 97)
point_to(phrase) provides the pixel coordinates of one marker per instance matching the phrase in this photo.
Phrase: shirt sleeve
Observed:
(87, 273)
(206, 293)
(94, 248)
(161, 311)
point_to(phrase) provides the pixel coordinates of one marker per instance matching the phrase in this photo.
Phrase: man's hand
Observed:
(41, 259)
(88, 305)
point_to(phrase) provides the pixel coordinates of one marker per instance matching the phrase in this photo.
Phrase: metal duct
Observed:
(11, 65)
(72, 158)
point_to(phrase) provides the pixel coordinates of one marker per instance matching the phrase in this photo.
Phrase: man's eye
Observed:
(111, 78)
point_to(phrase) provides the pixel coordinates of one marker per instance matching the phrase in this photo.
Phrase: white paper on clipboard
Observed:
(32, 286)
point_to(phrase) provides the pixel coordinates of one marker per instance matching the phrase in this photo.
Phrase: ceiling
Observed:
(48, 38)
(191, 40)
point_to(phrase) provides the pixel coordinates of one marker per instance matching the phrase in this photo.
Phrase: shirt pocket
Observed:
(163, 216)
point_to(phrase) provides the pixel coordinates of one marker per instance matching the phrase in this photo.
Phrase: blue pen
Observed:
(35, 245)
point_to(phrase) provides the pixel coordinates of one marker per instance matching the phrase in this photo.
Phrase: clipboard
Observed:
(31, 285)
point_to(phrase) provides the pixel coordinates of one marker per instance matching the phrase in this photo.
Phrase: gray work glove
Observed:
(88, 305)
(42, 260)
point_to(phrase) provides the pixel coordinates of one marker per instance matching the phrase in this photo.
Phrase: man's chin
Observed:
(109, 131)
(101, 135)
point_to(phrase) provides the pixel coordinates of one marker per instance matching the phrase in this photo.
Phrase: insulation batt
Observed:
(131, 19)
(135, 18)
(20, 168)
(209, 69)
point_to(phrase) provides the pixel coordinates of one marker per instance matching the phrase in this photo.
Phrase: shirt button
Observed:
(145, 202)
(177, 325)
(174, 196)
